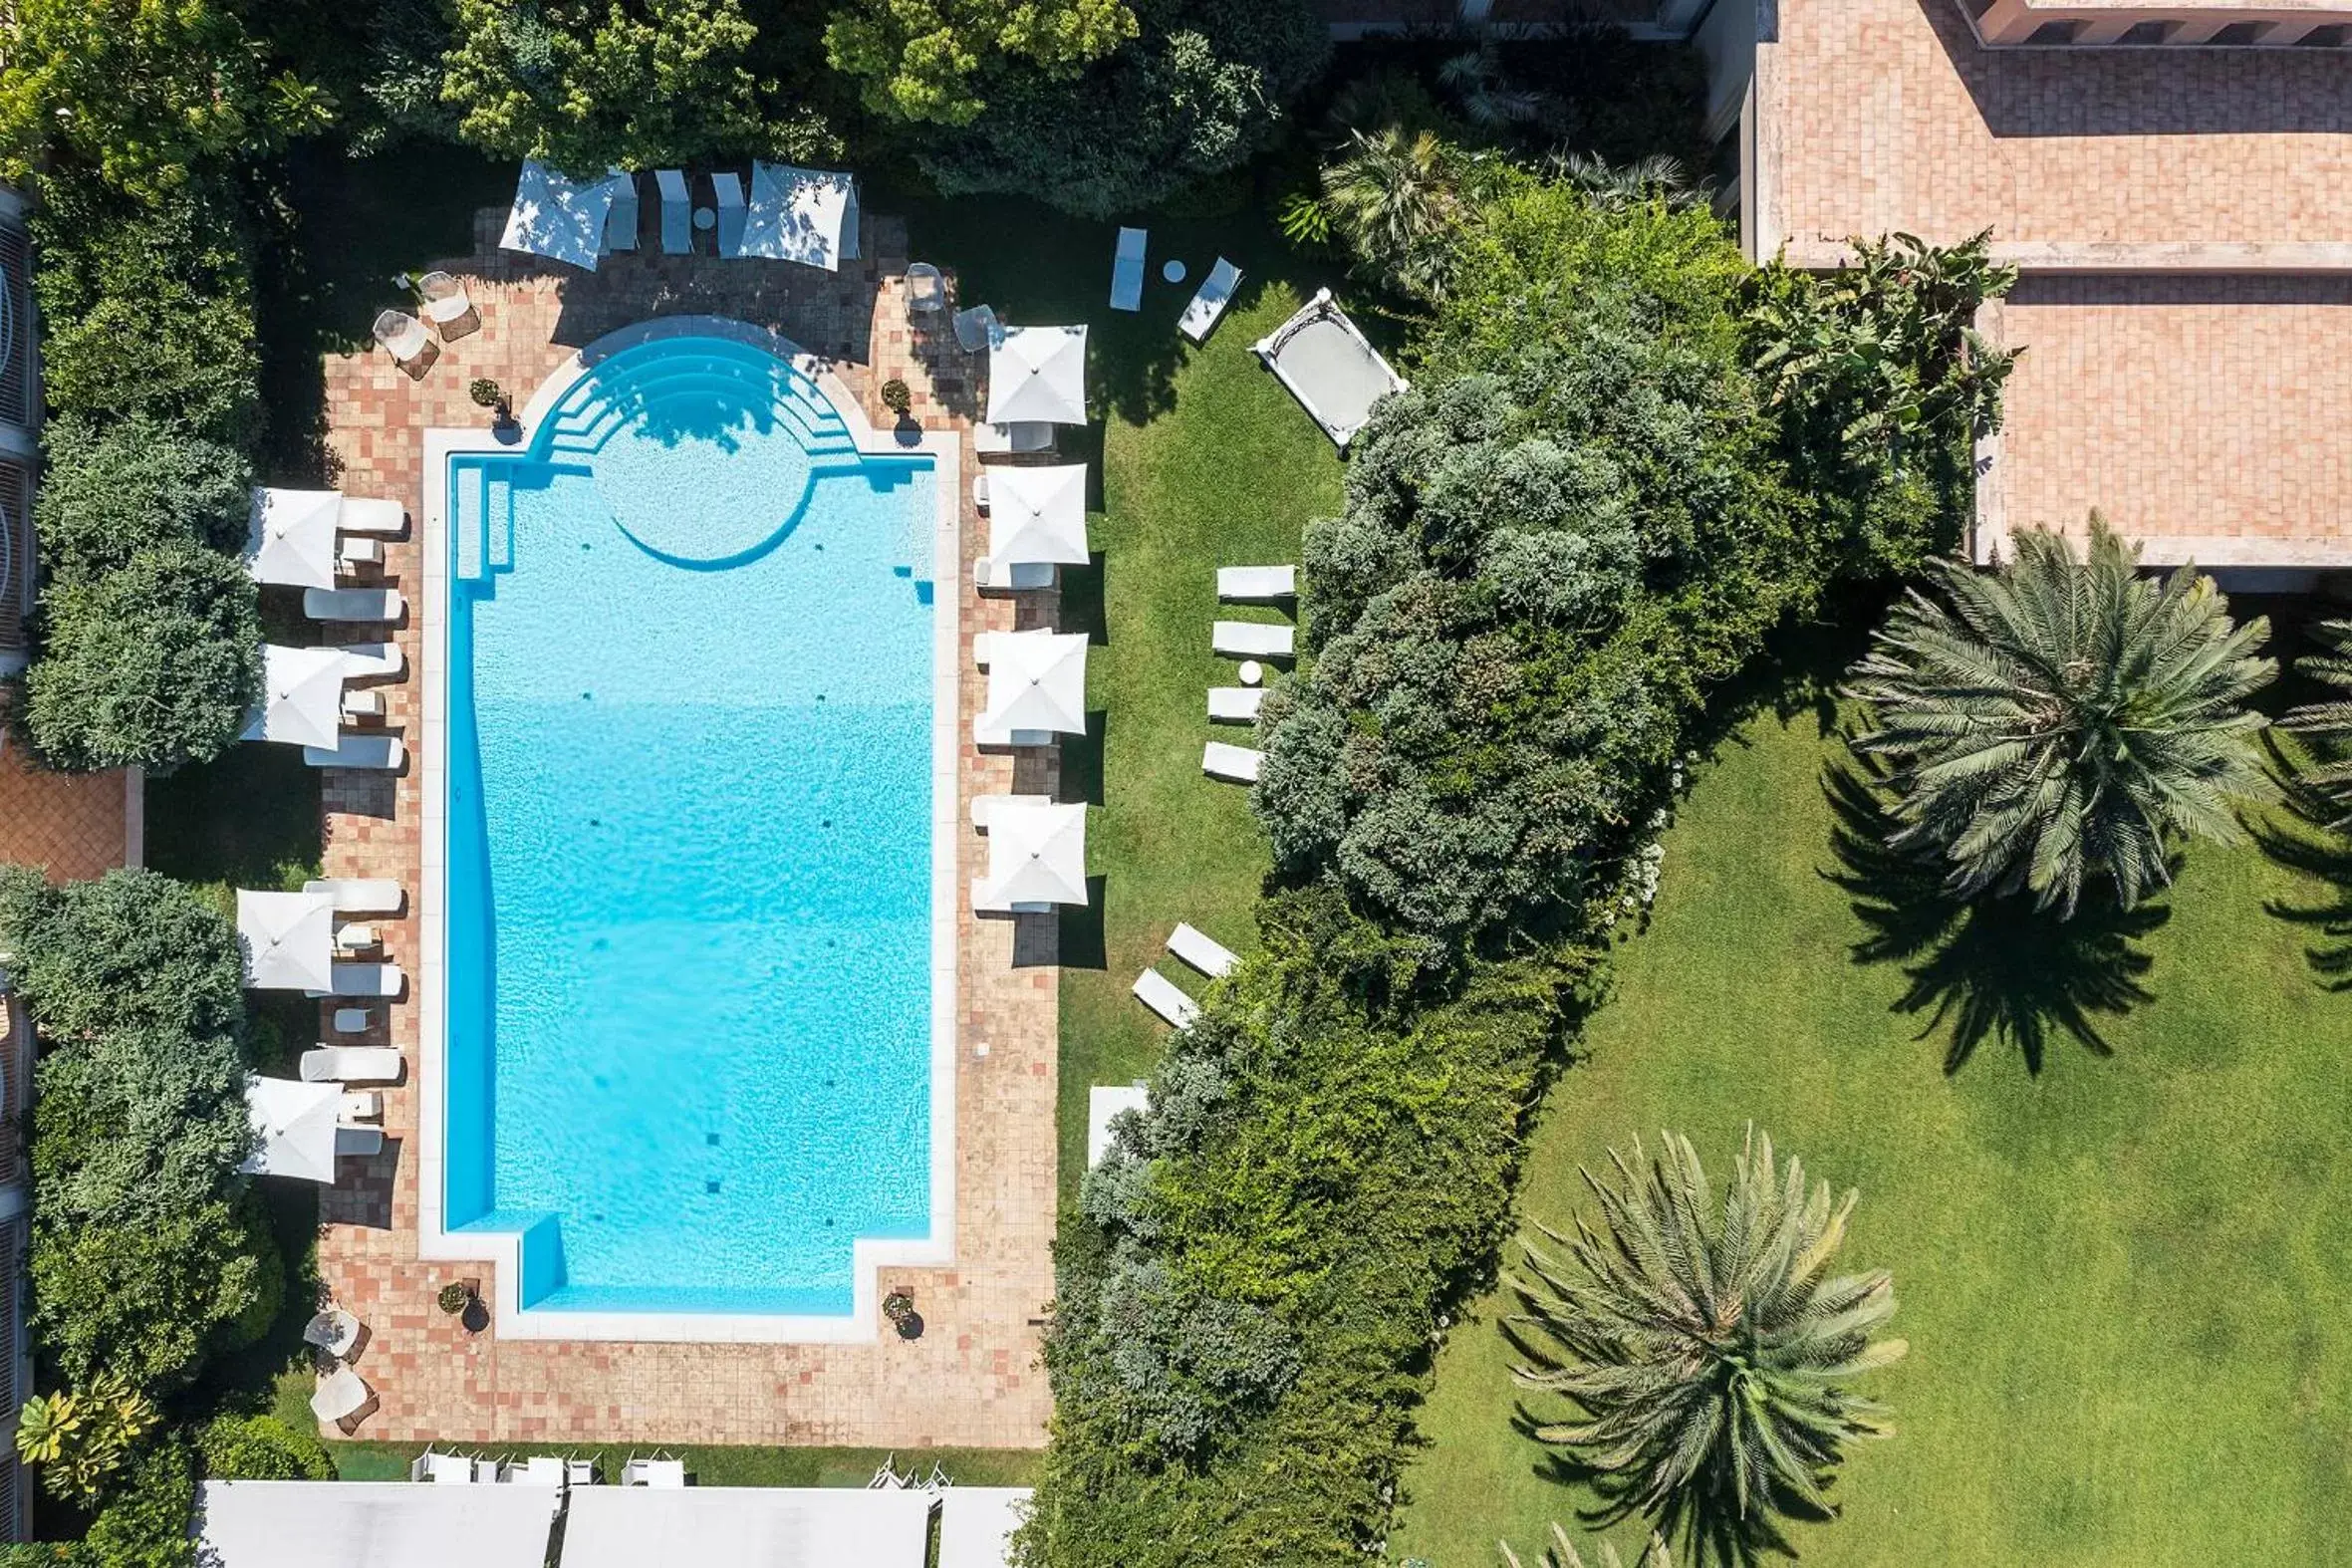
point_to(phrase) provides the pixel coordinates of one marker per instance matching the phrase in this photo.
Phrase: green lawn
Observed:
(2121, 1279)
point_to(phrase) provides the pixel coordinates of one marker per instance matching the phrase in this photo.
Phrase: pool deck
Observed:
(972, 1378)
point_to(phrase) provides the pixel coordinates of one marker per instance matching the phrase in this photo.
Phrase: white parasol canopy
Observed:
(289, 940)
(301, 697)
(293, 1128)
(1037, 516)
(291, 538)
(807, 216)
(559, 217)
(1037, 374)
(1036, 682)
(1036, 853)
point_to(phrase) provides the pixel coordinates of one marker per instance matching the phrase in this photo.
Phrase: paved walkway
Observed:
(972, 1378)
(72, 826)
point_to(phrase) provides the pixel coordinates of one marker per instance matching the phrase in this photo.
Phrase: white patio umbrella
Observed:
(301, 697)
(1037, 374)
(1036, 682)
(1037, 516)
(560, 217)
(290, 537)
(293, 1128)
(1037, 853)
(289, 940)
(807, 216)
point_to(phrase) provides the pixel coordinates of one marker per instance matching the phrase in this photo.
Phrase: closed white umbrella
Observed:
(293, 1128)
(289, 940)
(807, 216)
(559, 217)
(301, 697)
(1037, 374)
(1037, 516)
(1036, 853)
(290, 538)
(1036, 682)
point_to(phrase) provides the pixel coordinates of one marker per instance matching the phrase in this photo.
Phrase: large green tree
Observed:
(928, 61)
(1706, 1342)
(111, 491)
(2062, 720)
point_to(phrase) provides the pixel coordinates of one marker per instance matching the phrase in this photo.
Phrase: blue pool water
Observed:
(688, 893)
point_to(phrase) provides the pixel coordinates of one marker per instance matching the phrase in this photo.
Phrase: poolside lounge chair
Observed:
(367, 514)
(365, 752)
(540, 1469)
(1126, 271)
(1029, 436)
(372, 660)
(359, 895)
(1160, 993)
(1253, 639)
(445, 302)
(726, 193)
(1235, 764)
(677, 212)
(358, 937)
(1209, 301)
(358, 1141)
(353, 603)
(342, 1396)
(621, 223)
(1257, 582)
(351, 1064)
(1234, 704)
(382, 981)
(1202, 951)
(654, 1472)
(360, 1107)
(447, 1469)
(977, 329)
(927, 289)
(352, 1020)
(334, 1331)
(1017, 575)
(402, 335)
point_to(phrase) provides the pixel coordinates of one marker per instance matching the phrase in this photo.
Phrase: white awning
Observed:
(293, 1128)
(1037, 683)
(375, 1525)
(807, 216)
(1037, 853)
(289, 940)
(559, 217)
(974, 1522)
(745, 1527)
(290, 537)
(1038, 376)
(301, 697)
(1037, 516)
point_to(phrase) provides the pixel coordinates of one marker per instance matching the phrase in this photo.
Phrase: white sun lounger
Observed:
(1126, 271)
(365, 752)
(353, 552)
(1160, 993)
(1105, 1103)
(358, 937)
(372, 660)
(340, 1395)
(1027, 435)
(1202, 951)
(622, 221)
(1210, 302)
(654, 1472)
(1237, 764)
(1253, 639)
(403, 335)
(351, 1064)
(353, 603)
(1007, 579)
(677, 212)
(359, 1141)
(367, 514)
(1234, 704)
(1257, 582)
(360, 1107)
(358, 705)
(379, 980)
(359, 895)
(726, 193)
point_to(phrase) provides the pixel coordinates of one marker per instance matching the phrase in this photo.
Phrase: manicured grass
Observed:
(2120, 1278)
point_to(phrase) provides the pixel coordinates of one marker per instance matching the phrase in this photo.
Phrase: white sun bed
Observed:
(364, 752)
(1126, 271)
(1329, 366)
(1253, 639)
(340, 1395)
(1027, 435)
(353, 603)
(402, 335)
(372, 660)
(1237, 764)
(1103, 1103)
(334, 1331)
(677, 212)
(1202, 951)
(358, 937)
(367, 514)
(358, 705)
(1160, 993)
(351, 1064)
(1257, 582)
(726, 194)
(1234, 704)
(1210, 302)
(381, 981)
(359, 895)
(353, 552)
(622, 219)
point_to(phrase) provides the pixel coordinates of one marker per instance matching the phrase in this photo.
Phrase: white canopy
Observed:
(1037, 374)
(976, 1521)
(301, 697)
(807, 216)
(290, 537)
(559, 217)
(289, 940)
(1036, 682)
(1037, 516)
(373, 1524)
(1036, 853)
(745, 1527)
(293, 1128)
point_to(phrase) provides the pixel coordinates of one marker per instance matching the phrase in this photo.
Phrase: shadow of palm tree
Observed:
(2298, 838)
(1988, 969)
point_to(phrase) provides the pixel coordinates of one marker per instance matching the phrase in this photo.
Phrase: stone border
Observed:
(503, 1250)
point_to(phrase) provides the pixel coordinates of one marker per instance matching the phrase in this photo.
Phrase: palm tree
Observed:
(1706, 1346)
(1561, 1553)
(2059, 718)
(1616, 186)
(2329, 776)
(1392, 197)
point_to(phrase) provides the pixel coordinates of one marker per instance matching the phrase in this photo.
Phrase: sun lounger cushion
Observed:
(365, 979)
(1253, 639)
(373, 662)
(1236, 763)
(1019, 575)
(1202, 951)
(353, 603)
(359, 895)
(1214, 294)
(351, 1064)
(362, 514)
(1234, 704)
(1126, 271)
(1257, 582)
(1160, 993)
(373, 753)
(360, 1141)
(677, 212)
(1028, 435)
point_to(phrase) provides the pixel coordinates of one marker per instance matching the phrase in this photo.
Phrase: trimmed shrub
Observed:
(132, 949)
(111, 491)
(262, 1449)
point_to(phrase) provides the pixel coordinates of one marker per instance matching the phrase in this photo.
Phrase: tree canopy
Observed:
(109, 492)
(930, 61)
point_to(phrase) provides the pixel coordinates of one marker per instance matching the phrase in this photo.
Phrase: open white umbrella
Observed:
(1036, 682)
(289, 940)
(807, 216)
(1036, 853)
(293, 1128)
(290, 537)
(559, 217)
(1037, 516)
(301, 697)
(1037, 374)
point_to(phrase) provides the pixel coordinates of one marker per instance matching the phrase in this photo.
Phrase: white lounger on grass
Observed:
(1202, 951)
(1214, 294)
(1234, 704)
(340, 1396)
(353, 603)
(1237, 764)
(359, 895)
(373, 753)
(351, 1064)
(1253, 639)
(1126, 271)
(1160, 993)
(1257, 582)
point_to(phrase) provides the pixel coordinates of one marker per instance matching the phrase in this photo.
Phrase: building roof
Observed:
(373, 1524)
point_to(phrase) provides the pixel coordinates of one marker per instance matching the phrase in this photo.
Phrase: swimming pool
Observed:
(689, 1032)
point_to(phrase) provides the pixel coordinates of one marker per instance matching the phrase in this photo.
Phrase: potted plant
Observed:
(454, 1297)
(897, 1304)
(896, 397)
(487, 393)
